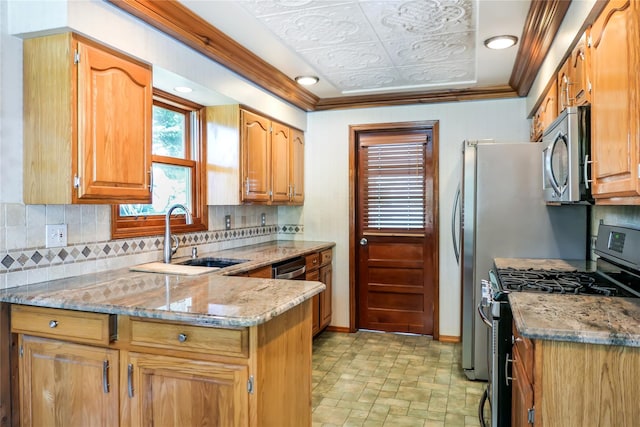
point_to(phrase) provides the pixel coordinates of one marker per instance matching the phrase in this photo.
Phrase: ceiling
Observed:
(365, 52)
(373, 46)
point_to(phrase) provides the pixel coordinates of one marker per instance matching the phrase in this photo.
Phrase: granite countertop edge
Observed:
(239, 301)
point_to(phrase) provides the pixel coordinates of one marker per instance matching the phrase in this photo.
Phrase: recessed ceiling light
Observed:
(500, 42)
(307, 80)
(183, 89)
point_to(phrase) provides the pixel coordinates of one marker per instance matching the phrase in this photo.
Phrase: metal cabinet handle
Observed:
(246, 186)
(130, 380)
(105, 376)
(182, 337)
(586, 171)
(53, 323)
(507, 378)
(363, 242)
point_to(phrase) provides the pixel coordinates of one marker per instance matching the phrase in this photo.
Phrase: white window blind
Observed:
(393, 186)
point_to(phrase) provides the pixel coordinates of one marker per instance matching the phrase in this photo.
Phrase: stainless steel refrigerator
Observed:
(503, 214)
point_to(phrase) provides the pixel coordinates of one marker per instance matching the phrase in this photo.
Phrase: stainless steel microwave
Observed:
(565, 157)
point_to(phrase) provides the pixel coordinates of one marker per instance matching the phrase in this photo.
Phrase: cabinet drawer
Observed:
(80, 326)
(326, 257)
(181, 337)
(312, 261)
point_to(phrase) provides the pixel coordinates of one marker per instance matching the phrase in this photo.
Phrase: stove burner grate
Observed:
(553, 281)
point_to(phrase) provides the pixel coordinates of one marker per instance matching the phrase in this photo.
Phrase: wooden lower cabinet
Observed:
(165, 373)
(576, 384)
(65, 384)
(175, 391)
(319, 269)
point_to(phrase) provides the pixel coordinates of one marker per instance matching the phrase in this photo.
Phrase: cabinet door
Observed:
(521, 394)
(297, 167)
(325, 297)
(564, 84)
(280, 152)
(315, 304)
(66, 384)
(549, 107)
(579, 75)
(170, 391)
(614, 109)
(255, 150)
(114, 127)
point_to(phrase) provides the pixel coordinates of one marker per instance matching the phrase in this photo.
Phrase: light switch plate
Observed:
(56, 235)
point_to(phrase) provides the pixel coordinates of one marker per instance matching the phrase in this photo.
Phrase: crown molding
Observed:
(177, 21)
(540, 28)
(430, 97)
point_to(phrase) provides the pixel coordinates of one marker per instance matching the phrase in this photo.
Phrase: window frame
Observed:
(195, 152)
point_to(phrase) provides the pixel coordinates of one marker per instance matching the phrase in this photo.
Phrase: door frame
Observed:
(354, 130)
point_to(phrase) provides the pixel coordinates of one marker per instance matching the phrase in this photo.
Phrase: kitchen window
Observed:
(177, 173)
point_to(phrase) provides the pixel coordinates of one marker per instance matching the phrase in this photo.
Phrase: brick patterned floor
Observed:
(380, 379)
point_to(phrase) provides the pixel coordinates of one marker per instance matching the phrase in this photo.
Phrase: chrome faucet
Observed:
(169, 249)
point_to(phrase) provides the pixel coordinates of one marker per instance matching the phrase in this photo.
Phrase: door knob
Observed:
(363, 242)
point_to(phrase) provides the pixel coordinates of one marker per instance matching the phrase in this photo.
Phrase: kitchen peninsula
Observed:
(133, 348)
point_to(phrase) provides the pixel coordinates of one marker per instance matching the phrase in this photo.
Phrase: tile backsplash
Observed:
(24, 259)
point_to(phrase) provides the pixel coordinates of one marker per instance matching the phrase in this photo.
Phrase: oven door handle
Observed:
(484, 317)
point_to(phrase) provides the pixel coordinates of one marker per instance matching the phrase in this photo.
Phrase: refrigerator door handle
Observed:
(456, 202)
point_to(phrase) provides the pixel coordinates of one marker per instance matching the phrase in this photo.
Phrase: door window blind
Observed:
(393, 186)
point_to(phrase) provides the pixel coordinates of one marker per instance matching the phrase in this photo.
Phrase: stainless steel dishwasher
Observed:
(293, 269)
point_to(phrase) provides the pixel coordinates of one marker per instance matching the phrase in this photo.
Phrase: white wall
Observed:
(326, 207)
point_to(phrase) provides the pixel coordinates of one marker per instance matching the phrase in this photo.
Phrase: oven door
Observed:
(499, 320)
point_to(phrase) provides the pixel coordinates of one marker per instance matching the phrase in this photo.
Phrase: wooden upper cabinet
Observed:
(280, 154)
(87, 123)
(255, 151)
(574, 82)
(580, 71)
(297, 167)
(546, 113)
(252, 159)
(615, 136)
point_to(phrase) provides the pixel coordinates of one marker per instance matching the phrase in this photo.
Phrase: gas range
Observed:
(617, 271)
(617, 274)
(562, 282)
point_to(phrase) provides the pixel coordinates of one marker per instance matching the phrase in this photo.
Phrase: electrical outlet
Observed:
(227, 222)
(263, 219)
(56, 235)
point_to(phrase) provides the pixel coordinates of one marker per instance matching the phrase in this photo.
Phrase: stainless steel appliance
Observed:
(565, 159)
(617, 274)
(503, 215)
(291, 269)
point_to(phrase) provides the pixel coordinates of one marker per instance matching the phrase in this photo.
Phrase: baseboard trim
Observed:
(343, 329)
(449, 338)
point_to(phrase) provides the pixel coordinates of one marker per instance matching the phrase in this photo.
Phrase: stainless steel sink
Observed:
(212, 262)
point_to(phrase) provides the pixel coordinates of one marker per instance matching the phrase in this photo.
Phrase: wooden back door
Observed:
(395, 244)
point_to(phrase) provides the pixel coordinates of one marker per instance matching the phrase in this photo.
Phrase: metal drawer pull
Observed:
(53, 323)
(130, 380)
(182, 337)
(507, 378)
(105, 376)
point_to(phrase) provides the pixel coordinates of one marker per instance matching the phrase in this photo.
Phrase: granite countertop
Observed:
(574, 318)
(213, 299)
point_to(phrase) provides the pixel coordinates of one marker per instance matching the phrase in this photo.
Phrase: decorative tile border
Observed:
(32, 258)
